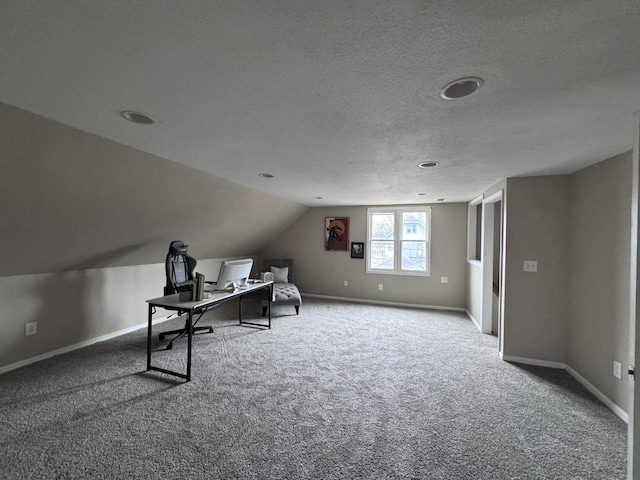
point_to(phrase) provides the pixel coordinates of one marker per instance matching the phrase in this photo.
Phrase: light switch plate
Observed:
(617, 370)
(444, 279)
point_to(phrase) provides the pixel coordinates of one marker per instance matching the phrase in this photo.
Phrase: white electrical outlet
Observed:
(31, 328)
(379, 286)
(617, 370)
(346, 283)
(530, 265)
(444, 279)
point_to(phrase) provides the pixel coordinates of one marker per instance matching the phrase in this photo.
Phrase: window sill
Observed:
(399, 274)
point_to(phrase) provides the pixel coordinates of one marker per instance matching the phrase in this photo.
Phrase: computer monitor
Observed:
(234, 271)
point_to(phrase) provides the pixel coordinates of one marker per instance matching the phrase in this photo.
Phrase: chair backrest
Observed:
(178, 266)
(279, 262)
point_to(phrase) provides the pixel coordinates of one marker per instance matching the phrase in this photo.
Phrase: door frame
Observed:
(633, 429)
(486, 260)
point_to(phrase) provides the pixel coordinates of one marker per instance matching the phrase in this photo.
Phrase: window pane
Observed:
(414, 256)
(399, 241)
(382, 226)
(382, 254)
(413, 225)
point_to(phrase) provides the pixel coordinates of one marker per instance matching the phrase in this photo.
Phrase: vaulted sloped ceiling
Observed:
(337, 98)
(71, 200)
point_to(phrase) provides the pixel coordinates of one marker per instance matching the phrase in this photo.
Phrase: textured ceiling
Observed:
(336, 98)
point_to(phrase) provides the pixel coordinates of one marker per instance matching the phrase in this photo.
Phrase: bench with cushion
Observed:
(284, 290)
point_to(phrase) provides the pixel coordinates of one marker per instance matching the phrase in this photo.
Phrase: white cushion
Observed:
(280, 274)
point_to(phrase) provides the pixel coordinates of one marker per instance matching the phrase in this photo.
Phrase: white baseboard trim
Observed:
(382, 302)
(474, 321)
(532, 361)
(85, 343)
(601, 396)
(615, 408)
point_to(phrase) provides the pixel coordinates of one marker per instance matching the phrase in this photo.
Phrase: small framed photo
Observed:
(357, 249)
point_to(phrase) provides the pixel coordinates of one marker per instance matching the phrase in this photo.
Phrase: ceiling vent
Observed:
(137, 117)
(461, 88)
(428, 164)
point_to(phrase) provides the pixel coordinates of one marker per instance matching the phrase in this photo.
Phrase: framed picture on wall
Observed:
(357, 249)
(336, 233)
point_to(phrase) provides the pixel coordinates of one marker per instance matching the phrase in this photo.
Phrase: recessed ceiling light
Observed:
(428, 164)
(317, 198)
(420, 194)
(266, 175)
(440, 200)
(463, 87)
(137, 117)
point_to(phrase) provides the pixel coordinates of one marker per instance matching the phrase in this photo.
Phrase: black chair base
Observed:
(183, 331)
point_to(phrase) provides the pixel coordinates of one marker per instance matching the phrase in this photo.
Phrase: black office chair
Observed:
(179, 267)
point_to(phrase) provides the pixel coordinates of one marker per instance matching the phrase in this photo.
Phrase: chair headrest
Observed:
(178, 248)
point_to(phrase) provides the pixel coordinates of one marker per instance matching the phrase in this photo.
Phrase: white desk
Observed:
(172, 302)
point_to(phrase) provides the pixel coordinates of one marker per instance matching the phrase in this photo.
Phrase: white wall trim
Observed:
(472, 248)
(601, 396)
(381, 302)
(585, 383)
(85, 343)
(475, 322)
(486, 260)
(493, 198)
(533, 361)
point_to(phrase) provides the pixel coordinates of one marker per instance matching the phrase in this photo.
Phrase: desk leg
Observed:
(270, 297)
(149, 338)
(257, 290)
(189, 337)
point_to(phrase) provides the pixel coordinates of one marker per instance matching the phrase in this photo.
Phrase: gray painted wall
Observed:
(324, 272)
(72, 307)
(600, 230)
(77, 306)
(70, 200)
(535, 304)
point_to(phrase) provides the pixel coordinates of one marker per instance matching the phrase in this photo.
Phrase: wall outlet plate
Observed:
(379, 286)
(444, 279)
(31, 328)
(530, 266)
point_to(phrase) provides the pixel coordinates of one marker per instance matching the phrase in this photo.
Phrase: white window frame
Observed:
(398, 234)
